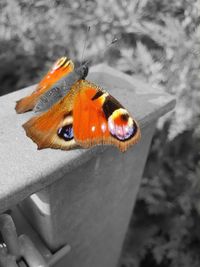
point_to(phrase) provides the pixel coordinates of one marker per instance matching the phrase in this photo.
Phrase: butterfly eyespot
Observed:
(66, 132)
(121, 126)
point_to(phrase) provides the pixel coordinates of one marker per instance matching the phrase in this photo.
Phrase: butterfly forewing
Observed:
(60, 68)
(98, 118)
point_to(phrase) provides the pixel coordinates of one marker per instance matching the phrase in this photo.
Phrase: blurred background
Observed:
(159, 41)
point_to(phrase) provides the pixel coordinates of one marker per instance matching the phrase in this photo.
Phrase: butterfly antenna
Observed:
(102, 51)
(114, 40)
(85, 43)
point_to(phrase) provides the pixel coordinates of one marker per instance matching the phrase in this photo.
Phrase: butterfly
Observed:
(75, 112)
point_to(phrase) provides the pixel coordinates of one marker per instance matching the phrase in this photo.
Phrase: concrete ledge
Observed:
(25, 170)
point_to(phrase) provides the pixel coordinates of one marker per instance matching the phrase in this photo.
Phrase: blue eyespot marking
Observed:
(122, 132)
(66, 132)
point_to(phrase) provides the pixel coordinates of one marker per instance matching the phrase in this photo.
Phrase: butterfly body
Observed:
(60, 88)
(85, 116)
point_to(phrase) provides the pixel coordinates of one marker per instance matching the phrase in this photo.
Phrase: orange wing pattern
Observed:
(61, 67)
(98, 118)
(86, 116)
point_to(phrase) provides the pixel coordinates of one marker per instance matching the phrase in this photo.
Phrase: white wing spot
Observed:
(103, 127)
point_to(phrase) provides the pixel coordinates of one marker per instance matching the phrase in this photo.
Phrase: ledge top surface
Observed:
(25, 170)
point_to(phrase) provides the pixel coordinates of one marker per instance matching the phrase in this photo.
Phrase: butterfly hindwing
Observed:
(54, 128)
(60, 68)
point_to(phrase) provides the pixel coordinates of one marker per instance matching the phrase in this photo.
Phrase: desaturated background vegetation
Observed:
(159, 40)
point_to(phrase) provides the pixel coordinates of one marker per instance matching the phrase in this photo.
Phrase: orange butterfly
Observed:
(76, 112)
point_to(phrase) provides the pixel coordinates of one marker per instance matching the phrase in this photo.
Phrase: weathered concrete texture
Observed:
(25, 170)
(90, 207)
